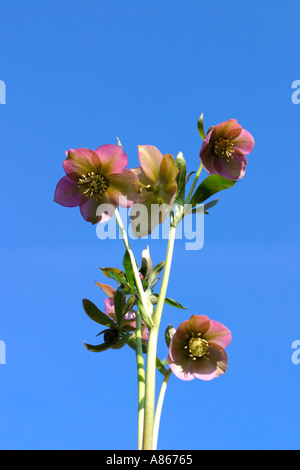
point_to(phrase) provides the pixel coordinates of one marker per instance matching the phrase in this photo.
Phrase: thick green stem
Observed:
(139, 347)
(141, 379)
(152, 348)
(194, 184)
(159, 406)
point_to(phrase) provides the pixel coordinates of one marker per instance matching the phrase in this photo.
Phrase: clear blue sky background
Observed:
(78, 74)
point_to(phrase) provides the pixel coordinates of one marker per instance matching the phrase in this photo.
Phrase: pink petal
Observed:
(97, 211)
(213, 365)
(181, 370)
(67, 193)
(123, 188)
(234, 169)
(244, 142)
(218, 334)
(228, 129)
(150, 159)
(81, 161)
(207, 156)
(109, 306)
(113, 159)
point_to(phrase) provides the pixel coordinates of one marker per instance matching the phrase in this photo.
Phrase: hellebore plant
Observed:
(98, 182)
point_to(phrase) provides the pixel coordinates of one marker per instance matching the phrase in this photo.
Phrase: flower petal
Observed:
(150, 159)
(81, 161)
(97, 211)
(67, 193)
(113, 159)
(234, 169)
(244, 142)
(218, 334)
(182, 370)
(123, 188)
(228, 129)
(207, 156)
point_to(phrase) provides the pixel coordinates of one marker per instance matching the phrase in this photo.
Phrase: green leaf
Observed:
(110, 291)
(211, 185)
(96, 315)
(174, 303)
(117, 275)
(147, 317)
(200, 126)
(111, 342)
(156, 272)
(203, 208)
(115, 271)
(119, 303)
(169, 301)
(119, 142)
(181, 179)
(128, 269)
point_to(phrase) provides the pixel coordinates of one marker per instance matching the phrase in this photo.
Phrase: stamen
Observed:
(224, 148)
(93, 185)
(197, 347)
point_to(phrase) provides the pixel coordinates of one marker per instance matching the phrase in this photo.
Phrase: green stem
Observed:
(139, 347)
(194, 184)
(141, 379)
(133, 262)
(159, 406)
(152, 348)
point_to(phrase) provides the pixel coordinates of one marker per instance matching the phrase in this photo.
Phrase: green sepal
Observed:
(211, 185)
(96, 315)
(200, 126)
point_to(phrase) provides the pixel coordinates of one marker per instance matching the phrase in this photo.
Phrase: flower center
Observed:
(93, 185)
(197, 347)
(224, 148)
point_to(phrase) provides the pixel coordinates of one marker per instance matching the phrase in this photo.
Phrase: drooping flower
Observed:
(157, 180)
(225, 148)
(95, 178)
(196, 349)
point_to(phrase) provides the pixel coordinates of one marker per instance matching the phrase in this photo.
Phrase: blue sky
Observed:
(79, 74)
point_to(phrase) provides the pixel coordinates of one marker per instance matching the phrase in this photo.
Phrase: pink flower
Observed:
(197, 347)
(225, 148)
(157, 180)
(94, 178)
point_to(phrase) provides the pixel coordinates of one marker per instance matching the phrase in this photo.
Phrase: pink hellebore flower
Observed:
(94, 178)
(196, 349)
(224, 148)
(157, 180)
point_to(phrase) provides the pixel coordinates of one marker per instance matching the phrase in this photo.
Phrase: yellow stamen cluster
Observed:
(93, 185)
(197, 346)
(224, 148)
